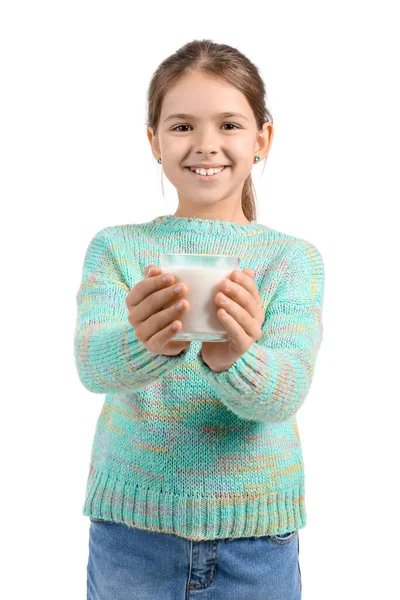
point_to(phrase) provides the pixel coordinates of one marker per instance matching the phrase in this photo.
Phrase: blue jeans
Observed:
(126, 563)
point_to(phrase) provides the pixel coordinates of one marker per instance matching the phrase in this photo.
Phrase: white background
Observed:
(75, 158)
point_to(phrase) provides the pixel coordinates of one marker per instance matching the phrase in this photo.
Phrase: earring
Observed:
(159, 161)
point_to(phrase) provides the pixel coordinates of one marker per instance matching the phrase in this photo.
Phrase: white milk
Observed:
(203, 284)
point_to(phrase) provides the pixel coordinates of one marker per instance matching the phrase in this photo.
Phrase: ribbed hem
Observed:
(194, 517)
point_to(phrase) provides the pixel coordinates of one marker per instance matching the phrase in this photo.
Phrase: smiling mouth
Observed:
(206, 177)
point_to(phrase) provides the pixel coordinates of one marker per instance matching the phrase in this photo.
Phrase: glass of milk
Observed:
(202, 274)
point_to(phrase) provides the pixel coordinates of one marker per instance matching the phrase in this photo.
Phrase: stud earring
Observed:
(159, 161)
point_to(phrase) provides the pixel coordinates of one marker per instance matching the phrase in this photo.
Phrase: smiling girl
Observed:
(196, 479)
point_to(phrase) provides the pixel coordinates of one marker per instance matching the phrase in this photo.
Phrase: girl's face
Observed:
(204, 135)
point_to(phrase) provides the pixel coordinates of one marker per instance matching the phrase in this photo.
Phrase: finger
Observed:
(246, 279)
(151, 270)
(145, 288)
(249, 271)
(252, 286)
(238, 337)
(247, 323)
(242, 290)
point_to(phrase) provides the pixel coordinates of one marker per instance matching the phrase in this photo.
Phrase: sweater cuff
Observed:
(110, 358)
(244, 376)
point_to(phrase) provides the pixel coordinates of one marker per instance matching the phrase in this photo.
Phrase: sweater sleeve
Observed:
(270, 381)
(108, 355)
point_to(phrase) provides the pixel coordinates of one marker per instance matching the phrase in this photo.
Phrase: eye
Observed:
(175, 128)
(236, 126)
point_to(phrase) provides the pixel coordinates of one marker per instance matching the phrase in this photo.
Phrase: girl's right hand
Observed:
(153, 312)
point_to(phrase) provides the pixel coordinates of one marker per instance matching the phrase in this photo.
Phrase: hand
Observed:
(153, 312)
(242, 317)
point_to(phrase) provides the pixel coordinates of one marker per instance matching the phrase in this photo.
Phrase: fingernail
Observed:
(150, 271)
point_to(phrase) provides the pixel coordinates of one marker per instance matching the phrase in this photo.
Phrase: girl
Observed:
(196, 480)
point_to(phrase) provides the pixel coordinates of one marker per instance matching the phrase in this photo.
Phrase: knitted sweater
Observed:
(179, 448)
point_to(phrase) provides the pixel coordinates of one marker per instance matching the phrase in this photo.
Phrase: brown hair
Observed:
(223, 62)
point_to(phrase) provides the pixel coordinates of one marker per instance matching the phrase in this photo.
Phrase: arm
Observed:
(270, 382)
(108, 356)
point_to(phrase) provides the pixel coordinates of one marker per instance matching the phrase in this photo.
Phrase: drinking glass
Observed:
(203, 274)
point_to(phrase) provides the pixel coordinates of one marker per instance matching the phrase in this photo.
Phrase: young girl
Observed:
(196, 480)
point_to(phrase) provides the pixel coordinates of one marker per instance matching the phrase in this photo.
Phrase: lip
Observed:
(207, 177)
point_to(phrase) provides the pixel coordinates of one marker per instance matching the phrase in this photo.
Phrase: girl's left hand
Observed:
(242, 317)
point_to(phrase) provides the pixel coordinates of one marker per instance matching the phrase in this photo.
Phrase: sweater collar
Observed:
(173, 224)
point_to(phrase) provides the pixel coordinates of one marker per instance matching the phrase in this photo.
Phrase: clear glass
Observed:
(202, 274)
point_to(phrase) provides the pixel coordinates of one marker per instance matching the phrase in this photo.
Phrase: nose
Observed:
(206, 140)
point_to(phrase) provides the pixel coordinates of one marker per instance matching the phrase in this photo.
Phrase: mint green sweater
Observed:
(179, 448)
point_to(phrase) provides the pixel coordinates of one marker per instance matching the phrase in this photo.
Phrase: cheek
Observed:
(242, 156)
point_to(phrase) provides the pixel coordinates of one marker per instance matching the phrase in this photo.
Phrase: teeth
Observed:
(207, 171)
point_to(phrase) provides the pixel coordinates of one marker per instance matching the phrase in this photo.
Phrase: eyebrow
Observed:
(185, 116)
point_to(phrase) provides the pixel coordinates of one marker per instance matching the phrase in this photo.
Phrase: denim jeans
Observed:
(127, 563)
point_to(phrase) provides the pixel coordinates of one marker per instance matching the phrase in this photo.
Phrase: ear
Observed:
(154, 142)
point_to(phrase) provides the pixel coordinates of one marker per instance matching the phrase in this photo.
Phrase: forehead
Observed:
(204, 97)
